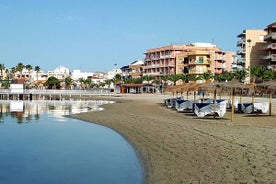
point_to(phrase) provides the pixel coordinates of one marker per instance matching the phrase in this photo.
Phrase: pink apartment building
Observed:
(191, 59)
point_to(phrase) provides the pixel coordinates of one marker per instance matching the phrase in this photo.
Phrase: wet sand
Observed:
(180, 148)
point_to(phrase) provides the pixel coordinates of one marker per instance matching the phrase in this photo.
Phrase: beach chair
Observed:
(259, 107)
(182, 105)
(204, 109)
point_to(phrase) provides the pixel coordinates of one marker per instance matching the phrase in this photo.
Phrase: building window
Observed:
(186, 60)
(200, 59)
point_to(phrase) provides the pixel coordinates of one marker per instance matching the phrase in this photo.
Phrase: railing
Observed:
(271, 46)
(271, 35)
(241, 51)
(198, 63)
(240, 42)
(270, 57)
(59, 92)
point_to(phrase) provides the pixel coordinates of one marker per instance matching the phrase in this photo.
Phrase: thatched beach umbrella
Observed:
(234, 86)
(214, 88)
(268, 87)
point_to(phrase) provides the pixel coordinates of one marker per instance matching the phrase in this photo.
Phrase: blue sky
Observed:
(94, 35)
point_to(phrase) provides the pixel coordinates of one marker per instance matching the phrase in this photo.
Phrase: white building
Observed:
(77, 74)
(111, 74)
(60, 73)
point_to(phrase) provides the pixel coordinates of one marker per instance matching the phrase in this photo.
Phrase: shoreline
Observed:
(178, 148)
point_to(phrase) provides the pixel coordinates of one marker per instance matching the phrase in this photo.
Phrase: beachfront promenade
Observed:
(48, 93)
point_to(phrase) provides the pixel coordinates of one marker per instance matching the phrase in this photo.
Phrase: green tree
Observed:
(147, 78)
(240, 75)
(117, 78)
(269, 74)
(12, 72)
(37, 69)
(183, 77)
(2, 68)
(52, 83)
(108, 82)
(192, 78)
(19, 67)
(88, 83)
(257, 73)
(29, 68)
(68, 82)
(82, 82)
(174, 78)
(207, 76)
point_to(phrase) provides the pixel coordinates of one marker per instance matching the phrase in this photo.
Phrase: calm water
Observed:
(40, 148)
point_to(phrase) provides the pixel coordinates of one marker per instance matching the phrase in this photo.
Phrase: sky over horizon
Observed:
(95, 35)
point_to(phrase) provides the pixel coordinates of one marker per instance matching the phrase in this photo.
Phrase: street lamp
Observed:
(249, 57)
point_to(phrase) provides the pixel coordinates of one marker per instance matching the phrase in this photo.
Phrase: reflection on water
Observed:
(25, 111)
(37, 148)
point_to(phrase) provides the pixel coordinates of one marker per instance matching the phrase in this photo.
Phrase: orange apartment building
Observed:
(136, 69)
(257, 48)
(270, 38)
(251, 48)
(191, 59)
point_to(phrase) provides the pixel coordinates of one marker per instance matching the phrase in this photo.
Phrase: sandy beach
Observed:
(179, 148)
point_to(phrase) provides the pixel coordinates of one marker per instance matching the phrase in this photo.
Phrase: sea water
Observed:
(48, 148)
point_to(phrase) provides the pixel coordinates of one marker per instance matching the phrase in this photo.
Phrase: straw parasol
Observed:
(267, 87)
(233, 87)
(213, 88)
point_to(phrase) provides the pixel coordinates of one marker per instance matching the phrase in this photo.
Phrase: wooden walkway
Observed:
(29, 94)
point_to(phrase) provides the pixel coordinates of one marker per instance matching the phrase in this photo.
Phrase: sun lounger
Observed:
(182, 105)
(170, 102)
(259, 107)
(204, 109)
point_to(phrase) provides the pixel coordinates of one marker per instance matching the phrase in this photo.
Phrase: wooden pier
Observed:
(46, 94)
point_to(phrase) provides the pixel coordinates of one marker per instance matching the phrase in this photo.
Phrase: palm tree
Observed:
(29, 68)
(68, 82)
(12, 72)
(174, 78)
(147, 78)
(108, 82)
(192, 78)
(2, 67)
(183, 77)
(269, 74)
(115, 80)
(207, 76)
(82, 81)
(88, 83)
(240, 75)
(19, 67)
(37, 69)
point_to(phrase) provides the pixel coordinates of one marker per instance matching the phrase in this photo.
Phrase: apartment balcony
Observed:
(135, 74)
(196, 72)
(153, 73)
(151, 66)
(241, 52)
(219, 67)
(166, 56)
(241, 60)
(234, 66)
(271, 36)
(271, 57)
(239, 67)
(198, 63)
(220, 58)
(240, 42)
(271, 46)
